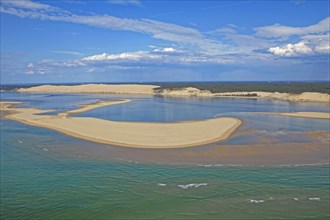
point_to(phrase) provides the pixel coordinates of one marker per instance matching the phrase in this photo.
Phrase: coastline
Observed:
(139, 89)
(129, 134)
(315, 115)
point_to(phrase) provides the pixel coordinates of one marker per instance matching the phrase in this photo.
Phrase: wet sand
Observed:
(215, 154)
(128, 134)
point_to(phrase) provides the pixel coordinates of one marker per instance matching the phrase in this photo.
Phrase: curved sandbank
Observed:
(129, 134)
(316, 115)
(188, 91)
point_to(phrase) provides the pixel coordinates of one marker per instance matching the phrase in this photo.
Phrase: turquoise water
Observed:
(40, 180)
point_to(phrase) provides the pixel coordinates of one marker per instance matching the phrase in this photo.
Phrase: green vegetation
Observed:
(287, 87)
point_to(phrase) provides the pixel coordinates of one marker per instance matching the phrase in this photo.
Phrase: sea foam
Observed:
(196, 185)
(256, 201)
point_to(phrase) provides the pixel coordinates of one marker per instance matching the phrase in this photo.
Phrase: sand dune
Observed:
(319, 115)
(189, 91)
(130, 134)
(94, 88)
(304, 97)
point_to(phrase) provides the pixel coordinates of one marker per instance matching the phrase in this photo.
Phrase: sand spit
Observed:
(94, 88)
(317, 115)
(87, 107)
(189, 91)
(129, 134)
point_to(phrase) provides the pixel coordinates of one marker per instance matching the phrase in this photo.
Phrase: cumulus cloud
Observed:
(30, 69)
(281, 31)
(128, 56)
(310, 45)
(165, 50)
(292, 50)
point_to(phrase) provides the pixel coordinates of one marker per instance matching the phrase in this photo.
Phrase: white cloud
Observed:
(30, 69)
(127, 56)
(309, 45)
(320, 43)
(165, 50)
(281, 31)
(25, 4)
(157, 29)
(75, 53)
(292, 50)
(125, 2)
(41, 72)
(91, 70)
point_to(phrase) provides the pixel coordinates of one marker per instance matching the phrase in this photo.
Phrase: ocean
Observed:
(48, 175)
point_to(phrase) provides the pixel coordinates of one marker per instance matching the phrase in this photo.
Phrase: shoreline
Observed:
(312, 115)
(128, 134)
(142, 89)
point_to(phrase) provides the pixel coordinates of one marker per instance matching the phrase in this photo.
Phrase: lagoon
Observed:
(45, 174)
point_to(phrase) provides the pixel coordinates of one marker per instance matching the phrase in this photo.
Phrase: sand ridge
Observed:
(88, 107)
(94, 88)
(129, 134)
(188, 91)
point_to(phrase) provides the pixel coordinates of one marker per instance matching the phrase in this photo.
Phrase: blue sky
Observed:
(148, 41)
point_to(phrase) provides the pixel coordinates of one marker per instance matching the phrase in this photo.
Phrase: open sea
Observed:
(48, 175)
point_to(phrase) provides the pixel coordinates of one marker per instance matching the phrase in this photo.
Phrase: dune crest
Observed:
(94, 88)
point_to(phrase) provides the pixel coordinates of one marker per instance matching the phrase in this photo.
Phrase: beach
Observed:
(129, 134)
(317, 115)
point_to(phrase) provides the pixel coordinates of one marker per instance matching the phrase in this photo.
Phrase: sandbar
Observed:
(87, 107)
(316, 115)
(128, 134)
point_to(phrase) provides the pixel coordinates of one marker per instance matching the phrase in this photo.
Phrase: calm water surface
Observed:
(37, 183)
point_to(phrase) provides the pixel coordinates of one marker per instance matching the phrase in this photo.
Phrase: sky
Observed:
(164, 41)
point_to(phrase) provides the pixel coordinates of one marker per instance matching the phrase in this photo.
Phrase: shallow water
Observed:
(46, 175)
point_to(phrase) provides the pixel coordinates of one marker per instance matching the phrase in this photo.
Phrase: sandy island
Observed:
(129, 134)
(188, 91)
